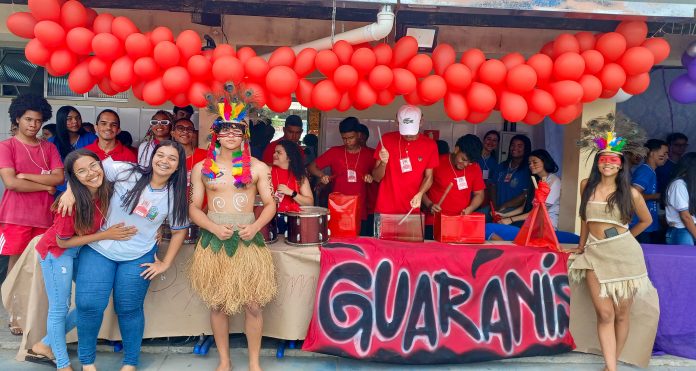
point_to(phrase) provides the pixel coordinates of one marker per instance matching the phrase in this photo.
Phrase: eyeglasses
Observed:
(184, 129)
(94, 166)
(159, 122)
(231, 133)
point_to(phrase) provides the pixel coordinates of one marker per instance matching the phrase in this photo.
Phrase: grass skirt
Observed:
(228, 283)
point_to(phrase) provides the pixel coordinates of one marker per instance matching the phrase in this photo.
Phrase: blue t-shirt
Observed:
(664, 173)
(153, 207)
(510, 183)
(82, 141)
(489, 167)
(645, 179)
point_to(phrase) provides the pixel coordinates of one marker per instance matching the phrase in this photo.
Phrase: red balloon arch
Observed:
(112, 53)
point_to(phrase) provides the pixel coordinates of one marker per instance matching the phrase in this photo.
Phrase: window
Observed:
(18, 75)
(57, 87)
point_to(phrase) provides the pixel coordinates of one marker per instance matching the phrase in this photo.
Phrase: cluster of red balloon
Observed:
(112, 53)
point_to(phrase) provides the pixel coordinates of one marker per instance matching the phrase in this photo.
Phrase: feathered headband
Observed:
(614, 134)
(232, 107)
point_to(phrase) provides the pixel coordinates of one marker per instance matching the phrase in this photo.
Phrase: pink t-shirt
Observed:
(30, 209)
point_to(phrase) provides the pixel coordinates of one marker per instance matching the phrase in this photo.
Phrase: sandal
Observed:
(39, 358)
(15, 330)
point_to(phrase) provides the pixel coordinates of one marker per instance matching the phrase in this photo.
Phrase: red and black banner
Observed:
(421, 303)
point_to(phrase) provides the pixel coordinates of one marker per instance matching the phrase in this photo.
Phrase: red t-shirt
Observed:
(397, 188)
(372, 191)
(340, 161)
(119, 153)
(270, 149)
(457, 199)
(31, 209)
(63, 227)
(284, 176)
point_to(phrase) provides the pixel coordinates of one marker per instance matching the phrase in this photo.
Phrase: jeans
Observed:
(58, 277)
(679, 236)
(96, 278)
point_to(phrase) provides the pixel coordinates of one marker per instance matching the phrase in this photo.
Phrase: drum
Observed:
(270, 230)
(308, 227)
(192, 233)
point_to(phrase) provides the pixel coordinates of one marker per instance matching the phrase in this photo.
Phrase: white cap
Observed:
(409, 119)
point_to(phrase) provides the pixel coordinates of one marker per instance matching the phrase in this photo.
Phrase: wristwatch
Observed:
(294, 193)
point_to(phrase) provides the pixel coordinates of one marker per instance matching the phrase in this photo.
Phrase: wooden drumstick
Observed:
(379, 133)
(536, 186)
(442, 199)
(406, 216)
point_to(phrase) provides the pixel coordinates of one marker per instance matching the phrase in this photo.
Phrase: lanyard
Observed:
(43, 155)
(355, 168)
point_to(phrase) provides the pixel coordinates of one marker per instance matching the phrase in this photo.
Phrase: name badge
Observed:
(485, 175)
(45, 172)
(508, 178)
(352, 176)
(461, 183)
(143, 208)
(406, 165)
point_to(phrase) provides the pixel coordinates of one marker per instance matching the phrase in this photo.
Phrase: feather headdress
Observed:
(613, 133)
(231, 107)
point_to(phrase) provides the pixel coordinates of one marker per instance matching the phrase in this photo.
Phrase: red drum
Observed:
(460, 228)
(387, 227)
(270, 230)
(308, 227)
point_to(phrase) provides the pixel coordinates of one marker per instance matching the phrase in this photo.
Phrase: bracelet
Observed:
(294, 193)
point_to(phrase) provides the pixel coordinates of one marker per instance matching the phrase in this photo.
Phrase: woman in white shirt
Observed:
(680, 202)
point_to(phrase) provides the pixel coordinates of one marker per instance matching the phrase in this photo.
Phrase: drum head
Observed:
(309, 211)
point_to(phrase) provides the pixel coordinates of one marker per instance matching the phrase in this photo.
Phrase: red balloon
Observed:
(420, 65)
(21, 24)
(45, 9)
(345, 77)
(166, 54)
(481, 97)
(492, 72)
(381, 77)
(244, 53)
(199, 67)
(565, 43)
(102, 24)
(458, 77)
(79, 40)
(432, 88)
(443, 57)
(659, 47)
(566, 92)
(105, 87)
(512, 59)
(146, 68)
(477, 117)
(385, 97)
(50, 33)
(568, 66)
(542, 102)
(612, 45)
(456, 107)
(279, 103)
(218, 88)
(635, 32)
(326, 62)
(513, 107)
(591, 87)
(586, 40)
(636, 84)
(121, 71)
(63, 61)
(343, 51)
(637, 60)
(606, 94)
(594, 61)
(154, 93)
(107, 46)
(363, 96)
(304, 63)
(196, 94)
(228, 68)
(99, 68)
(304, 93)
(345, 103)
(281, 81)
(123, 27)
(532, 118)
(180, 100)
(37, 53)
(222, 50)
(404, 49)
(521, 79)
(364, 60)
(542, 65)
(91, 16)
(161, 34)
(325, 96)
(189, 44)
(612, 76)
(79, 80)
(413, 99)
(473, 59)
(283, 56)
(176, 80)
(547, 49)
(138, 46)
(404, 81)
(383, 53)
(138, 89)
(564, 115)
(256, 68)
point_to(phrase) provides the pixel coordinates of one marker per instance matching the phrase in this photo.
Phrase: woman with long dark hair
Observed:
(488, 161)
(69, 132)
(289, 178)
(143, 197)
(609, 259)
(680, 202)
(160, 130)
(644, 179)
(59, 246)
(512, 179)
